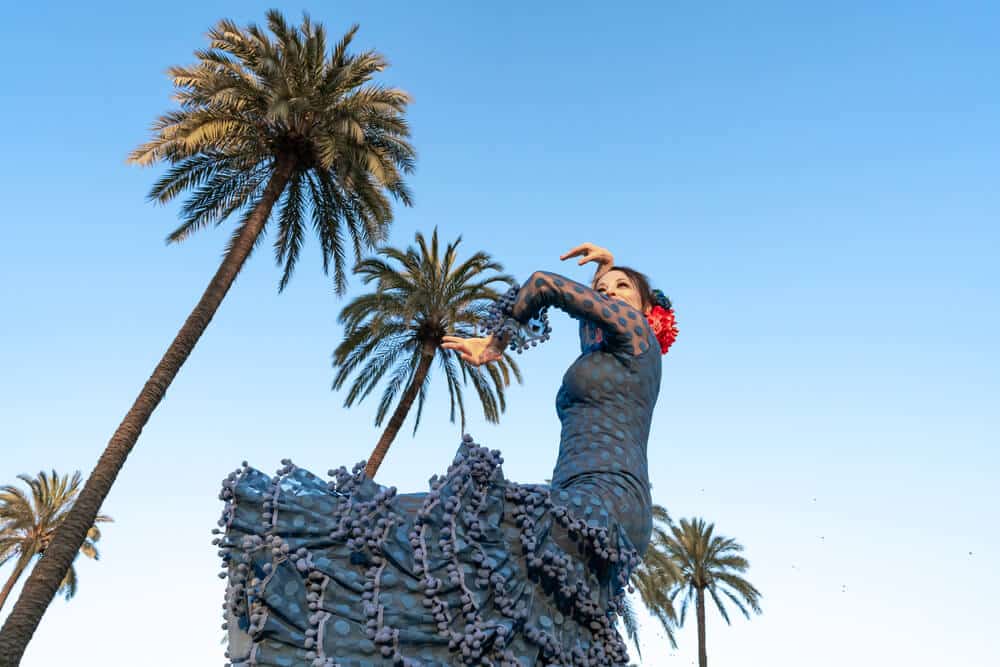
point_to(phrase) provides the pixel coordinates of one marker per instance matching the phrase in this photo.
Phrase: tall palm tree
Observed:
(419, 297)
(710, 563)
(654, 579)
(27, 525)
(263, 122)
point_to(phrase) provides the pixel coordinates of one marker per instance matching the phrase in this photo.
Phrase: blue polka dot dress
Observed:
(478, 570)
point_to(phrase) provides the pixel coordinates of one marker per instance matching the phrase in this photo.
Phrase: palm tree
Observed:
(710, 563)
(263, 122)
(27, 525)
(397, 329)
(654, 579)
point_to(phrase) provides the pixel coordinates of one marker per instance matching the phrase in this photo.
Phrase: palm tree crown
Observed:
(396, 330)
(254, 110)
(28, 522)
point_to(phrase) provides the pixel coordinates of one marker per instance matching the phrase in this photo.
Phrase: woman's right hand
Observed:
(590, 252)
(474, 351)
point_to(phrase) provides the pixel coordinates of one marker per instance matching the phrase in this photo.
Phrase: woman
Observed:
(478, 570)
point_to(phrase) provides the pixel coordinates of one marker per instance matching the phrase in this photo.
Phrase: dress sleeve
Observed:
(590, 335)
(623, 327)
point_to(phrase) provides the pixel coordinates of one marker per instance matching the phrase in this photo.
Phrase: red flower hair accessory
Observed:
(662, 322)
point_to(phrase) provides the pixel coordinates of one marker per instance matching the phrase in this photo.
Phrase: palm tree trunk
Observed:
(19, 568)
(700, 604)
(399, 416)
(46, 577)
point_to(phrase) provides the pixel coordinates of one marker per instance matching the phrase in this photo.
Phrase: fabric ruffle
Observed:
(477, 571)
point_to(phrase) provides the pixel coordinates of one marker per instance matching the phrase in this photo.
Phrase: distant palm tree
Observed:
(654, 579)
(710, 563)
(263, 122)
(419, 297)
(27, 525)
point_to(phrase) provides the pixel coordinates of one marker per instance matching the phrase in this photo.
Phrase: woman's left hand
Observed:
(591, 252)
(474, 351)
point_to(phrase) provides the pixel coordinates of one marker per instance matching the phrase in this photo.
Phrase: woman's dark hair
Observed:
(641, 283)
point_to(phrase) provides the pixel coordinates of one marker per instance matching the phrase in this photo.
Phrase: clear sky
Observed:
(815, 185)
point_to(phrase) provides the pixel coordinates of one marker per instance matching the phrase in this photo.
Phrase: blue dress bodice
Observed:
(606, 399)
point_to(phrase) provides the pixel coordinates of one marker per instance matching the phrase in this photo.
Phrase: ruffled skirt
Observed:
(478, 571)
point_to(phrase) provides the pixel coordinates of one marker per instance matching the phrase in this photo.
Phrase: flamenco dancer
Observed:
(479, 570)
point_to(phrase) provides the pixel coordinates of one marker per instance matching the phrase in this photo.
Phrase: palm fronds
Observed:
(255, 102)
(419, 294)
(655, 578)
(29, 519)
(712, 563)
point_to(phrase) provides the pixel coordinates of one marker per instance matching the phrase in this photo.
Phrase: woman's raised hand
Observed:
(474, 351)
(590, 252)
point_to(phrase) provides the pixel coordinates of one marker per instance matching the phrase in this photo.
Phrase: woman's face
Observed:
(617, 285)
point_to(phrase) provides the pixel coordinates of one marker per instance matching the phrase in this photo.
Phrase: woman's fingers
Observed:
(601, 256)
(456, 345)
(578, 250)
(461, 346)
(467, 358)
(467, 351)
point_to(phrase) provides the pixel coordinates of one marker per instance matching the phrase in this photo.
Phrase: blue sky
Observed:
(814, 185)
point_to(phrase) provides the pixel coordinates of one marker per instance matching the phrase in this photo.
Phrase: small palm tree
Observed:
(397, 329)
(654, 579)
(263, 122)
(710, 563)
(27, 525)
(631, 624)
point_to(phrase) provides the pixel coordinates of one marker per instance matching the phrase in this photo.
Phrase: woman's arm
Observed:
(624, 327)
